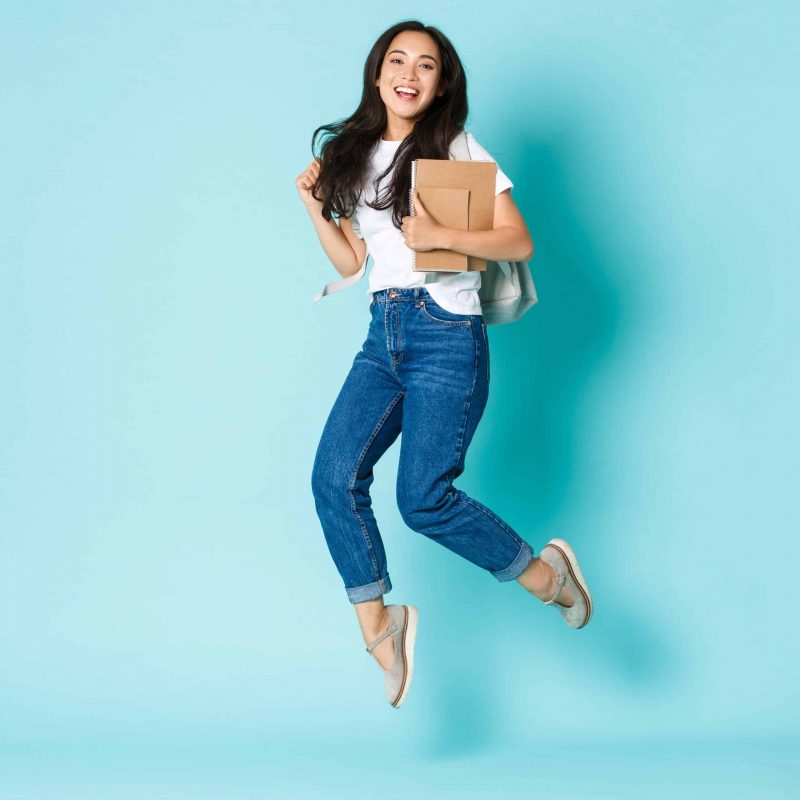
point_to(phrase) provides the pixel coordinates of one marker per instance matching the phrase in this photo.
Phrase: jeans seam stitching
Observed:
(505, 569)
(456, 322)
(386, 332)
(486, 349)
(463, 428)
(380, 583)
(399, 331)
(352, 482)
(487, 513)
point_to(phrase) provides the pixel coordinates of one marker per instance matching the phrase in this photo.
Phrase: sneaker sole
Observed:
(577, 575)
(409, 637)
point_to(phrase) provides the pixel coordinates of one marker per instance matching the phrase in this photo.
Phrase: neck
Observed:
(397, 130)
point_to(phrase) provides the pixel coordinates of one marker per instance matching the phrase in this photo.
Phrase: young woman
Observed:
(424, 366)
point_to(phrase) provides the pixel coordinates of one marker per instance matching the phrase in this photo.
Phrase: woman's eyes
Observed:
(424, 64)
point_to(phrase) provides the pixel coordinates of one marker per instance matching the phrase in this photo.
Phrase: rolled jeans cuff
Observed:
(517, 566)
(369, 591)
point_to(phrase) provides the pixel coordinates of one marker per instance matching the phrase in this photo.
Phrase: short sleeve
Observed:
(356, 226)
(480, 153)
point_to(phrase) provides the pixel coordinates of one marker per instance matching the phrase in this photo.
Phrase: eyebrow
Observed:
(424, 55)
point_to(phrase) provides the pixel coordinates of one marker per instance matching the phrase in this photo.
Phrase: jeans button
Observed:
(392, 293)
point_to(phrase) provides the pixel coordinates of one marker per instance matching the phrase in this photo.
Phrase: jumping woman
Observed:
(424, 366)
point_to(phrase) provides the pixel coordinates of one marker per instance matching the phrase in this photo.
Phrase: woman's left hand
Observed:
(421, 232)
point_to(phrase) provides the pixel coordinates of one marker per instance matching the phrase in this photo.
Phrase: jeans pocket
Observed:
(435, 313)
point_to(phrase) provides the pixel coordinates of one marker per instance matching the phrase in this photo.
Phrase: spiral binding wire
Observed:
(411, 207)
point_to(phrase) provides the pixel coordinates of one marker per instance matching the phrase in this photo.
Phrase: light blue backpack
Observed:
(507, 290)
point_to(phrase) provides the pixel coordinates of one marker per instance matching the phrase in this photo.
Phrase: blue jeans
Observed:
(424, 371)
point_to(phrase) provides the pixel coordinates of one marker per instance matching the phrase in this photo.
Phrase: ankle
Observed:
(539, 579)
(375, 627)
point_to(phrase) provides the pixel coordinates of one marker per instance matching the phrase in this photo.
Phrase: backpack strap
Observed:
(337, 286)
(459, 148)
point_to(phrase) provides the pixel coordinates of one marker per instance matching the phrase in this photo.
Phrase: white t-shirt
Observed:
(392, 259)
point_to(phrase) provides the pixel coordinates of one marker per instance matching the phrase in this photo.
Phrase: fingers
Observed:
(418, 207)
(309, 176)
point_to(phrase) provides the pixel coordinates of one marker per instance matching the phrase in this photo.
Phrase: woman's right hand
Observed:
(305, 180)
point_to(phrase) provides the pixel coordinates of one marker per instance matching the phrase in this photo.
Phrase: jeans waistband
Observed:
(400, 294)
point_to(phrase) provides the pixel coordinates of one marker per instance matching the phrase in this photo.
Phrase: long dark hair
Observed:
(349, 142)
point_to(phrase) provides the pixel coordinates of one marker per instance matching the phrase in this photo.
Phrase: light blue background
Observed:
(171, 623)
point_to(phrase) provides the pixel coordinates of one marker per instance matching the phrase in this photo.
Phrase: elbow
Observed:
(354, 265)
(348, 271)
(360, 263)
(527, 255)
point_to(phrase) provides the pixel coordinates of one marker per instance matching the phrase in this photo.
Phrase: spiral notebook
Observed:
(457, 194)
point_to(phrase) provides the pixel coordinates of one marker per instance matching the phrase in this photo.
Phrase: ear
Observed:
(442, 88)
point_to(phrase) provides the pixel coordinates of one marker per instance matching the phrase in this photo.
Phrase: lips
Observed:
(406, 95)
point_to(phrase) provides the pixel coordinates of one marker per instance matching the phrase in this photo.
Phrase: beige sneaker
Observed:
(403, 630)
(558, 554)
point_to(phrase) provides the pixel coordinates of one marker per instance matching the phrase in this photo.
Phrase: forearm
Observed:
(333, 242)
(498, 244)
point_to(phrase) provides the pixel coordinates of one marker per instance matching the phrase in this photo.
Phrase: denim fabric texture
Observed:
(424, 371)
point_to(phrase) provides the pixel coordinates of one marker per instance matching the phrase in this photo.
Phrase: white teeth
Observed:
(406, 90)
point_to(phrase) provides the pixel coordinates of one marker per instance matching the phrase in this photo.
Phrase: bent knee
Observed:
(430, 512)
(329, 480)
(419, 515)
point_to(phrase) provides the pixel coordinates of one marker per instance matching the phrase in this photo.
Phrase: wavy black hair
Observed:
(347, 144)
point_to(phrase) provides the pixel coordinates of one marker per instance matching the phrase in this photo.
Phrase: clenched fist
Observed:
(306, 180)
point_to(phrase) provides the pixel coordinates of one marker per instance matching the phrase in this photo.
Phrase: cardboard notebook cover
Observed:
(457, 194)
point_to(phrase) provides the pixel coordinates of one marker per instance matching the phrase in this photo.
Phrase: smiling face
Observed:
(409, 80)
